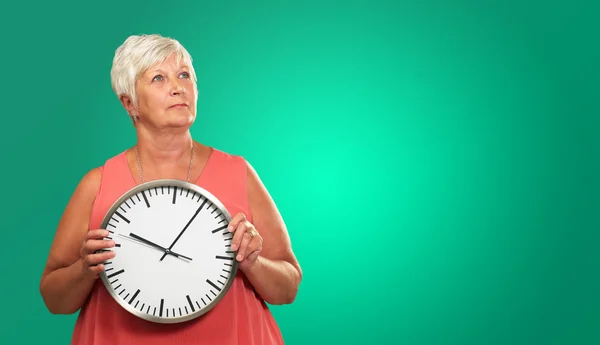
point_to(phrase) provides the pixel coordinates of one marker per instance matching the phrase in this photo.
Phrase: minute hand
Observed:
(185, 228)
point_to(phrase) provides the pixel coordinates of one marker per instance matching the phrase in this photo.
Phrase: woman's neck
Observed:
(164, 149)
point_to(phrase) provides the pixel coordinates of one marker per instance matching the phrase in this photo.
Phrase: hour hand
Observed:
(167, 251)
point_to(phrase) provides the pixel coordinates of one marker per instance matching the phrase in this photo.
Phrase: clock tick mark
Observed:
(116, 273)
(190, 303)
(213, 285)
(134, 296)
(122, 217)
(145, 199)
(219, 229)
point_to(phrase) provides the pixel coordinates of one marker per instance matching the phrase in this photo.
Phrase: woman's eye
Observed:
(185, 74)
(157, 78)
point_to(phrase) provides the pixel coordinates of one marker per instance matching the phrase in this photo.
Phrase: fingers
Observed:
(234, 225)
(243, 247)
(250, 248)
(97, 234)
(247, 247)
(95, 259)
(253, 256)
(93, 251)
(240, 230)
(92, 246)
(240, 217)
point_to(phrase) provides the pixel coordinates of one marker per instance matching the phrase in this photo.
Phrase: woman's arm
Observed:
(67, 279)
(275, 273)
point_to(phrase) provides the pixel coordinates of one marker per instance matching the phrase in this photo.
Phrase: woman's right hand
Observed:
(92, 261)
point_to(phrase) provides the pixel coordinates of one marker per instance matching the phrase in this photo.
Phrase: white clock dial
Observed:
(173, 259)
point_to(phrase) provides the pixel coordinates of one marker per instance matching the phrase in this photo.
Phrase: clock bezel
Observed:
(171, 183)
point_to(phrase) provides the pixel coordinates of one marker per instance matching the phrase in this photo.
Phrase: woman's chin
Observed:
(180, 120)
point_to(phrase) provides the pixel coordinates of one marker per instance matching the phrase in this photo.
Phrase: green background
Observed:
(436, 162)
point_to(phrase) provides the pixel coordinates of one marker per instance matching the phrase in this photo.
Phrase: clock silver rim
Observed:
(159, 183)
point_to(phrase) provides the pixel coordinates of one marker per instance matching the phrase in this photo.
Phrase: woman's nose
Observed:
(177, 87)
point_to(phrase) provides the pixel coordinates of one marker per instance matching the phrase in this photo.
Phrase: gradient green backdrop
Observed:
(436, 162)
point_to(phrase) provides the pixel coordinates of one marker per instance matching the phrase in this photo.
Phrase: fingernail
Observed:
(230, 228)
(233, 246)
(239, 257)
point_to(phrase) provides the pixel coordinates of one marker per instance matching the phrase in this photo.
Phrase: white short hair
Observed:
(137, 54)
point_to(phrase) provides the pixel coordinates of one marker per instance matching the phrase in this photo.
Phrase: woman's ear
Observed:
(127, 103)
(129, 107)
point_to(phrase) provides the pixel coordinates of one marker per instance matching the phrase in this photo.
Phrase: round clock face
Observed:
(173, 259)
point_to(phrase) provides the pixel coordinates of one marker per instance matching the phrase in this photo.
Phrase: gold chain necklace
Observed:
(137, 156)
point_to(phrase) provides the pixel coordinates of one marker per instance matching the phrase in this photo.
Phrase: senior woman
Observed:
(155, 81)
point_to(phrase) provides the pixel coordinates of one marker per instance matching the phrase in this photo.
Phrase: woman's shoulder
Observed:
(226, 157)
(88, 186)
(224, 153)
(92, 178)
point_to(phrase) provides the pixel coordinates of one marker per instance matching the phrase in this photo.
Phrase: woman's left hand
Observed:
(246, 240)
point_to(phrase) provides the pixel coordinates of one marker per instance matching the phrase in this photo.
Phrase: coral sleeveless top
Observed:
(241, 317)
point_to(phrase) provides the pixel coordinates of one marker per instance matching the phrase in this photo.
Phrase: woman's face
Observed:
(167, 95)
